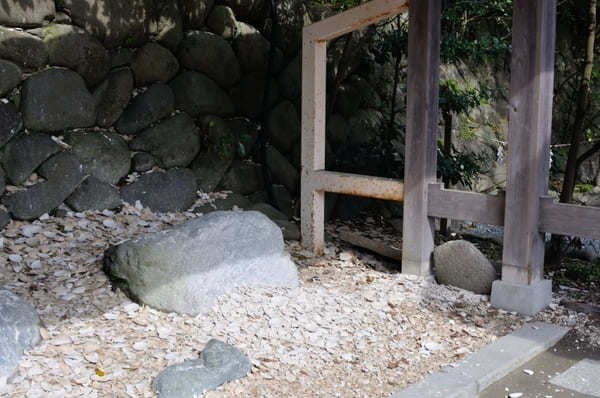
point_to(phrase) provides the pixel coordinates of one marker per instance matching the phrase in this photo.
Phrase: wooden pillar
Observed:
(314, 64)
(421, 134)
(523, 288)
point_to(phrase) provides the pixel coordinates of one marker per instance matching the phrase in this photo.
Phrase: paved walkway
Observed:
(566, 370)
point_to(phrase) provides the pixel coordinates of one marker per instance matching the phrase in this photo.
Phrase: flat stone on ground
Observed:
(582, 377)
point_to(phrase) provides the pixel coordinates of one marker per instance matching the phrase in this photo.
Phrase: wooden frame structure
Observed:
(525, 210)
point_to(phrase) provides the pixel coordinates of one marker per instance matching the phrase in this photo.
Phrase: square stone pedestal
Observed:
(524, 299)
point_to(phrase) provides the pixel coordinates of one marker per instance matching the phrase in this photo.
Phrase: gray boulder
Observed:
(121, 56)
(167, 28)
(186, 268)
(104, 155)
(252, 50)
(56, 100)
(148, 107)
(194, 12)
(154, 63)
(11, 76)
(212, 55)
(22, 48)
(112, 96)
(94, 194)
(174, 141)
(290, 230)
(268, 211)
(142, 162)
(243, 178)
(209, 168)
(73, 48)
(24, 14)
(218, 364)
(19, 330)
(163, 192)
(222, 21)
(26, 153)
(11, 122)
(4, 219)
(197, 95)
(284, 126)
(282, 170)
(459, 263)
(64, 173)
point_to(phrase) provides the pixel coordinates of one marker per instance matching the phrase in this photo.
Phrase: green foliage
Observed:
(459, 167)
(456, 99)
(584, 272)
(584, 188)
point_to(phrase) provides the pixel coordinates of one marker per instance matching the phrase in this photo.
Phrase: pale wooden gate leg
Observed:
(523, 288)
(421, 134)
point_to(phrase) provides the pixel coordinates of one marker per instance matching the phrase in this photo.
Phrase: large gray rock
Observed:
(11, 76)
(284, 126)
(94, 194)
(185, 269)
(26, 153)
(243, 178)
(222, 21)
(174, 141)
(112, 96)
(209, 168)
(150, 106)
(282, 170)
(104, 155)
(459, 263)
(154, 63)
(19, 330)
(167, 27)
(73, 48)
(194, 12)
(25, 14)
(163, 192)
(64, 173)
(22, 48)
(115, 23)
(4, 219)
(56, 100)
(197, 95)
(11, 122)
(252, 50)
(142, 162)
(212, 55)
(218, 364)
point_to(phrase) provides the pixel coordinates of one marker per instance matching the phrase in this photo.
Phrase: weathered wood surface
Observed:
(571, 220)
(530, 115)
(355, 18)
(358, 185)
(460, 205)
(375, 246)
(421, 134)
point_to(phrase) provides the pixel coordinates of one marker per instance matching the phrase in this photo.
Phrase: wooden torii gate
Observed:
(525, 210)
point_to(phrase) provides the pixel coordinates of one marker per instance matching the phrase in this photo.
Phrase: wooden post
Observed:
(523, 288)
(421, 134)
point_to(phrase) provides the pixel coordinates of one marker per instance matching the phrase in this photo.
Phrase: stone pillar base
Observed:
(524, 299)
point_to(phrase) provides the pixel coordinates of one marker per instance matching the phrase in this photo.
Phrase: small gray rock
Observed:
(243, 178)
(218, 364)
(283, 171)
(22, 48)
(186, 268)
(252, 50)
(167, 29)
(163, 192)
(4, 219)
(150, 106)
(112, 96)
(154, 63)
(269, 211)
(20, 330)
(222, 21)
(209, 169)
(459, 263)
(26, 153)
(94, 194)
(24, 14)
(11, 76)
(142, 162)
(289, 229)
(198, 95)
(11, 122)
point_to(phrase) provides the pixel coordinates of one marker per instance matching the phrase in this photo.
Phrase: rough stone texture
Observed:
(11, 122)
(194, 12)
(4, 219)
(73, 48)
(24, 14)
(150, 106)
(142, 162)
(284, 126)
(11, 76)
(185, 269)
(222, 139)
(167, 29)
(248, 94)
(290, 230)
(290, 80)
(243, 178)
(22, 48)
(268, 211)
(94, 194)
(246, 10)
(163, 192)
(209, 169)
(252, 50)
(64, 173)
(115, 23)
(459, 263)
(218, 364)
(222, 21)
(2, 181)
(282, 170)
(121, 56)
(581, 377)
(521, 298)
(197, 95)
(174, 141)
(112, 96)
(104, 155)
(56, 100)
(154, 63)
(212, 55)
(26, 153)
(19, 330)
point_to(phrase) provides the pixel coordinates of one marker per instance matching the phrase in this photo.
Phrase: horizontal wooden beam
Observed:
(570, 220)
(358, 185)
(354, 18)
(460, 205)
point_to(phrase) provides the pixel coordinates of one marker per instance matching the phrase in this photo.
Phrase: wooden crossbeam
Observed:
(358, 185)
(571, 220)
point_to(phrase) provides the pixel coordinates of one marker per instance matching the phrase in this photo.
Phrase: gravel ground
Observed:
(353, 328)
